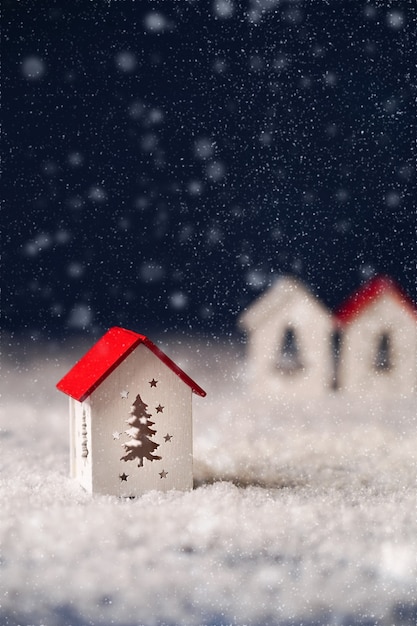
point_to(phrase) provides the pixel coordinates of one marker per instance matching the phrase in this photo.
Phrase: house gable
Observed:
(367, 295)
(287, 296)
(105, 356)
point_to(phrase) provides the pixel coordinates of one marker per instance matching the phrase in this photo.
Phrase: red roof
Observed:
(100, 361)
(370, 292)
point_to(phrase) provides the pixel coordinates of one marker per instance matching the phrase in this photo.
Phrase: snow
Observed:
(301, 513)
(33, 67)
(156, 22)
(80, 316)
(395, 20)
(126, 61)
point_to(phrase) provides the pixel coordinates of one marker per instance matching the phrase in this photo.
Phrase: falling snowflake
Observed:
(137, 109)
(42, 241)
(151, 272)
(223, 9)
(155, 116)
(75, 270)
(216, 171)
(75, 159)
(195, 187)
(178, 300)
(97, 194)
(395, 19)
(256, 279)
(204, 148)
(33, 68)
(126, 62)
(156, 22)
(393, 199)
(80, 316)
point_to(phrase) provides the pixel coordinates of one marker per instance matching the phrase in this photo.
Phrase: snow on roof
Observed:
(105, 356)
(368, 293)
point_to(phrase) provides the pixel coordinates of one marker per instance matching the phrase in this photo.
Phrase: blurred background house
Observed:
(378, 335)
(298, 348)
(289, 341)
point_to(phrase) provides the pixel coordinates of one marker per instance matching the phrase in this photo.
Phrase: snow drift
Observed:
(301, 513)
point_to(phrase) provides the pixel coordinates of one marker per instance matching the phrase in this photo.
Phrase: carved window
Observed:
(383, 353)
(289, 357)
(336, 352)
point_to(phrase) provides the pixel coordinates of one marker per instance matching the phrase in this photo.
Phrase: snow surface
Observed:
(300, 514)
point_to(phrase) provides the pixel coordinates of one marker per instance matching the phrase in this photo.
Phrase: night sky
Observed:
(165, 161)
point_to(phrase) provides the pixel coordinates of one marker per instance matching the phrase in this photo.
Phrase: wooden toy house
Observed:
(130, 417)
(289, 342)
(378, 326)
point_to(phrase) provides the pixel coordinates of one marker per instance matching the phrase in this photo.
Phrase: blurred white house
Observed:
(378, 351)
(297, 348)
(289, 341)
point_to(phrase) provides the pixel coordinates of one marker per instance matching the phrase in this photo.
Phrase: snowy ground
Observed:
(300, 515)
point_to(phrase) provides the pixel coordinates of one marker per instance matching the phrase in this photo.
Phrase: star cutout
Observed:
(116, 435)
(123, 477)
(159, 409)
(124, 394)
(168, 437)
(153, 382)
(163, 474)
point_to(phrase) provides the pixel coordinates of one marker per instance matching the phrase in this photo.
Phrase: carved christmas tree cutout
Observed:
(140, 445)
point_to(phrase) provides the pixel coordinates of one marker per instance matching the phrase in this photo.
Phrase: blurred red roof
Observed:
(368, 293)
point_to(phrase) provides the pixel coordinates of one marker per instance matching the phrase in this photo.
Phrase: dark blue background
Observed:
(164, 161)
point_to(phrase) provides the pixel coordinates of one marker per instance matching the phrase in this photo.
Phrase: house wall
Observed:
(110, 410)
(313, 328)
(357, 372)
(80, 443)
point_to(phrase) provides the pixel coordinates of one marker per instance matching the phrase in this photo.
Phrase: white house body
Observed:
(289, 342)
